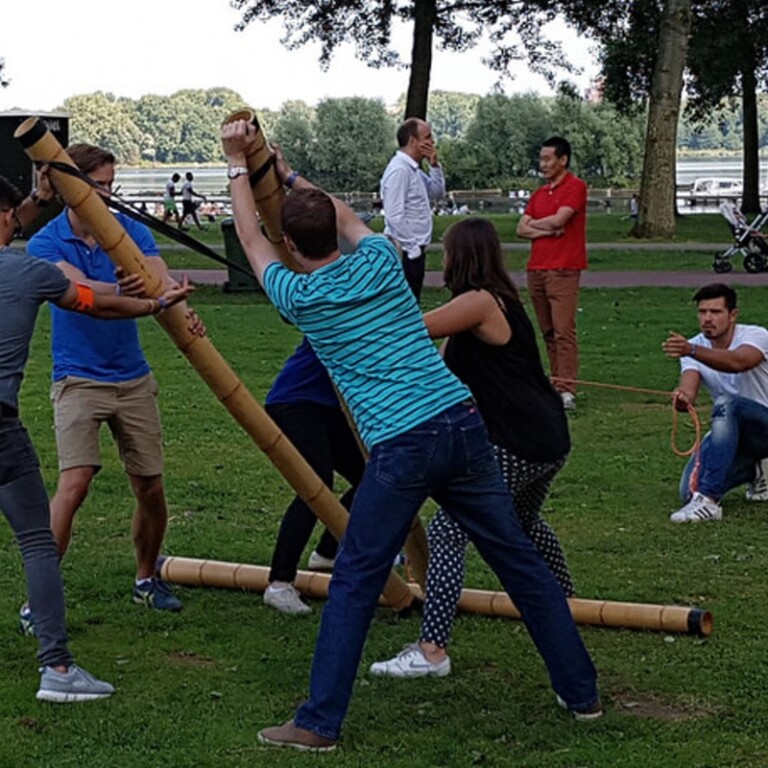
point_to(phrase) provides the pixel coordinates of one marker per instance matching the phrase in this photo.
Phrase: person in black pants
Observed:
(303, 403)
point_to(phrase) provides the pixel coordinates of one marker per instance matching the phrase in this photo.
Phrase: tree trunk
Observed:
(425, 14)
(751, 201)
(657, 187)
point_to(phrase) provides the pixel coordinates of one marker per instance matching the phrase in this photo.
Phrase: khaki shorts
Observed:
(80, 406)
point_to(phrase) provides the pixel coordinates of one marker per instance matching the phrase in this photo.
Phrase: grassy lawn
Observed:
(194, 688)
(602, 228)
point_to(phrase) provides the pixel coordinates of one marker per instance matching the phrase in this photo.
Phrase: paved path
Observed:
(590, 279)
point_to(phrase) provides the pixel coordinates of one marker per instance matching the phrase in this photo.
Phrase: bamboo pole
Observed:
(268, 195)
(42, 146)
(601, 613)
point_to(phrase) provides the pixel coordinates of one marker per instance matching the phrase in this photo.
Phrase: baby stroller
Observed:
(750, 242)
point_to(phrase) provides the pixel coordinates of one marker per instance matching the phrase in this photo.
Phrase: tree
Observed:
(728, 58)
(644, 44)
(294, 130)
(514, 27)
(354, 138)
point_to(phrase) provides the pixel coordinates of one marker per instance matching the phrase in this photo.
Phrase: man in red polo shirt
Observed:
(555, 222)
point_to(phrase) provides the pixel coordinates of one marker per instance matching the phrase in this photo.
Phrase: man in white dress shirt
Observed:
(406, 191)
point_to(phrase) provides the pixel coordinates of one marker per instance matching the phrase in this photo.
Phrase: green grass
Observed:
(601, 228)
(194, 688)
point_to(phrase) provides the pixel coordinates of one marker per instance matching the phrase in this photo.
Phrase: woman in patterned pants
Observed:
(492, 348)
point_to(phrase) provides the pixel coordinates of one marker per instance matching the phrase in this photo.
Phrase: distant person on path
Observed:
(731, 360)
(100, 375)
(303, 403)
(406, 191)
(634, 207)
(25, 284)
(169, 200)
(425, 436)
(555, 221)
(189, 208)
(492, 349)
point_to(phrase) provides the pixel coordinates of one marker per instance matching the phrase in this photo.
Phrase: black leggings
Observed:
(323, 437)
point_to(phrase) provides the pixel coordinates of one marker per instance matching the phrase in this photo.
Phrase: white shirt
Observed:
(752, 384)
(186, 191)
(405, 194)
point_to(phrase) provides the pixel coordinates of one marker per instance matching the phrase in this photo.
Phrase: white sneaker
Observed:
(699, 509)
(411, 662)
(569, 401)
(757, 490)
(285, 599)
(317, 562)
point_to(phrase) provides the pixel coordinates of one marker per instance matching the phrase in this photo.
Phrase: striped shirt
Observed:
(366, 327)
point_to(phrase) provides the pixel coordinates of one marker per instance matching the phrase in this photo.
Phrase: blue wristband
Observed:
(291, 179)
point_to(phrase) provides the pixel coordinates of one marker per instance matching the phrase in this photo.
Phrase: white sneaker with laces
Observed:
(317, 562)
(569, 401)
(285, 598)
(411, 662)
(757, 490)
(699, 509)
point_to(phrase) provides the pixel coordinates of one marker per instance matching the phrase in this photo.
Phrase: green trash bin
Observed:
(234, 251)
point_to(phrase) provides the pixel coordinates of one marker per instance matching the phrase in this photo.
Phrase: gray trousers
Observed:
(24, 502)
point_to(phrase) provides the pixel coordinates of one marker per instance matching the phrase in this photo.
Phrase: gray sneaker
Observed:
(285, 599)
(73, 685)
(411, 662)
(757, 490)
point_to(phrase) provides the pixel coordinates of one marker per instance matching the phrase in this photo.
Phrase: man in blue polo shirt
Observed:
(425, 436)
(100, 375)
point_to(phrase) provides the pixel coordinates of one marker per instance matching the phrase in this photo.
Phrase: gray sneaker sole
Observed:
(67, 697)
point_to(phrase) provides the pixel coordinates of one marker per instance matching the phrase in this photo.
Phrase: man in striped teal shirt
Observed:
(424, 434)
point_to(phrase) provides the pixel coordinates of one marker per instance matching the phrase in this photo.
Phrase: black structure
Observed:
(14, 164)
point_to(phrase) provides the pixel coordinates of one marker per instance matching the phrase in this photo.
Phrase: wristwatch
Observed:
(236, 170)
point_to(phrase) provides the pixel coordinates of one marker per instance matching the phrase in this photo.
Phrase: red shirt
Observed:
(570, 250)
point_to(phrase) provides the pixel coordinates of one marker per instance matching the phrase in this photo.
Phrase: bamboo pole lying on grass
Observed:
(601, 613)
(42, 146)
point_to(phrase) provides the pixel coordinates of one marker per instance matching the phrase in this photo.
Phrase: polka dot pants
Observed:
(529, 484)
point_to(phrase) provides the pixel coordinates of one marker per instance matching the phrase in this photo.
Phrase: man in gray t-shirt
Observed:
(25, 284)
(731, 360)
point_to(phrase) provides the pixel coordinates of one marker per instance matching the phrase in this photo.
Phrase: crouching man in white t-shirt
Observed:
(731, 360)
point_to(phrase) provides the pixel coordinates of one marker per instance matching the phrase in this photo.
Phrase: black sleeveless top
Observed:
(522, 410)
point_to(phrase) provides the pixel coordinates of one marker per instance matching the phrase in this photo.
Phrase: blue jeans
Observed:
(737, 440)
(449, 458)
(24, 502)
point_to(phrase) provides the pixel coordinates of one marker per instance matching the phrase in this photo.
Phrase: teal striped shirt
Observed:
(366, 327)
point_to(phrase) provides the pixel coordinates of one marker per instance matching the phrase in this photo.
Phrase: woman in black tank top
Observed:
(492, 348)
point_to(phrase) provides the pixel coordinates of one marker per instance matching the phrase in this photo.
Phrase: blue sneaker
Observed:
(26, 621)
(155, 593)
(73, 685)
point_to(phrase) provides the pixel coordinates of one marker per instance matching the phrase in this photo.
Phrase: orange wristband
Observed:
(85, 299)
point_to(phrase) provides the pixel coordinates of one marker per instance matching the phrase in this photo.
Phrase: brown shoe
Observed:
(290, 735)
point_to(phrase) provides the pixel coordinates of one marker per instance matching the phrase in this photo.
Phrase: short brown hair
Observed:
(10, 196)
(408, 130)
(308, 217)
(88, 157)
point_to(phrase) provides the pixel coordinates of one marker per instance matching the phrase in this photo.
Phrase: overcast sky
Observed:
(59, 48)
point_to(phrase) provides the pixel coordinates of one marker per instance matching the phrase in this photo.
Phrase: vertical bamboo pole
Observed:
(42, 146)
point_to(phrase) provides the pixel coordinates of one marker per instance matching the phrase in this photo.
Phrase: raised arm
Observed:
(350, 227)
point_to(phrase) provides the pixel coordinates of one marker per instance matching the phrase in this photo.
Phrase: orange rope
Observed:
(694, 449)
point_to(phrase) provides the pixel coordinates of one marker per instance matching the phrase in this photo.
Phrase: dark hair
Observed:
(473, 260)
(407, 130)
(561, 146)
(89, 158)
(308, 217)
(175, 177)
(10, 195)
(717, 291)
(189, 176)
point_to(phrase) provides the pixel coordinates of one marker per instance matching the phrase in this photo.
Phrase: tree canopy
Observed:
(515, 29)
